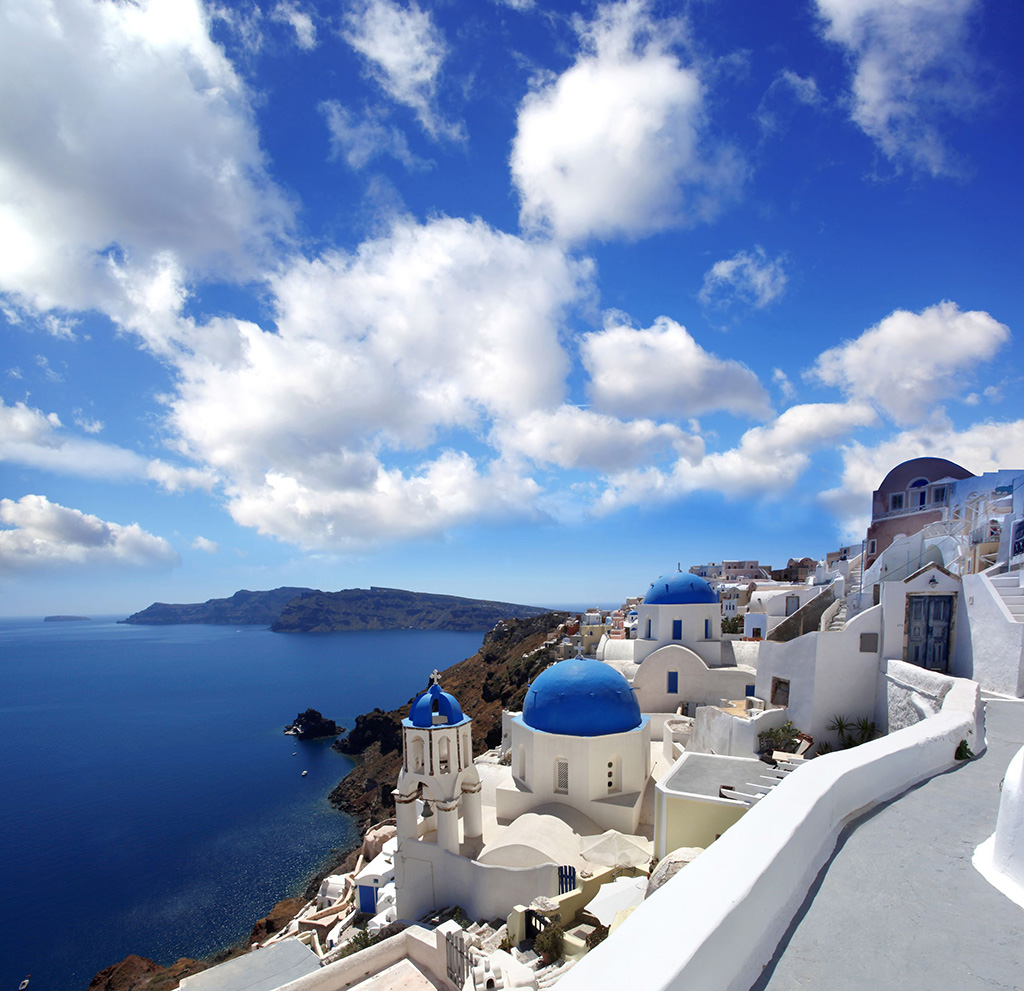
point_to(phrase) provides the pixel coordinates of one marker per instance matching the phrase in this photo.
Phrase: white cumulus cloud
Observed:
(205, 545)
(662, 371)
(404, 50)
(616, 145)
(300, 22)
(767, 461)
(332, 428)
(570, 437)
(911, 69)
(43, 534)
(909, 363)
(124, 132)
(360, 139)
(750, 277)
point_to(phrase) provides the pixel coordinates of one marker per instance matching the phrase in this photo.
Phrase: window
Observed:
(780, 691)
(939, 493)
(417, 755)
(614, 775)
(444, 753)
(522, 762)
(677, 629)
(673, 683)
(895, 501)
(647, 635)
(919, 498)
(561, 776)
(872, 544)
(707, 629)
(869, 643)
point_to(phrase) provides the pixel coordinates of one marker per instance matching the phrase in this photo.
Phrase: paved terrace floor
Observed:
(900, 905)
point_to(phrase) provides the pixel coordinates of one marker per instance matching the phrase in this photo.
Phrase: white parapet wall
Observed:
(997, 639)
(716, 924)
(423, 947)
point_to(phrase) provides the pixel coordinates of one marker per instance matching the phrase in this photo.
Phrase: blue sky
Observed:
(516, 299)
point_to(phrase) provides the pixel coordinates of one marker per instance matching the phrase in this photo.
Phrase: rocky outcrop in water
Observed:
(310, 725)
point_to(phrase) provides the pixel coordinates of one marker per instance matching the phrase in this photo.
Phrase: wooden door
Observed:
(929, 618)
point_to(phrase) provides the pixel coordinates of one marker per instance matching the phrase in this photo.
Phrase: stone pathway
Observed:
(900, 905)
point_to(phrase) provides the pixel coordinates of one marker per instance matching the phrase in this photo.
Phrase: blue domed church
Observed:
(580, 741)
(676, 661)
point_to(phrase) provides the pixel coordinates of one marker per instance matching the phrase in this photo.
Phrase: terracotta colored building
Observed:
(914, 494)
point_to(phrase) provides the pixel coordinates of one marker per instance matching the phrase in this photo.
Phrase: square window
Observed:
(896, 501)
(869, 643)
(780, 692)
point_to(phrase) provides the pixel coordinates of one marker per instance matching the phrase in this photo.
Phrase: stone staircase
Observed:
(852, 588)
(1011, 591)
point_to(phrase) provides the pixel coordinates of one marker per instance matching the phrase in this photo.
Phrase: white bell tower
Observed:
(437, 764)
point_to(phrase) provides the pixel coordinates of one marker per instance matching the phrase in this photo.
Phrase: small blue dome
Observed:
(432, 701)
(679, 589)
(581, 697)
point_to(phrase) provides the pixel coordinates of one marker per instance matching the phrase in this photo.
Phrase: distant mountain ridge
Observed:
(307, 610)
(244, 608)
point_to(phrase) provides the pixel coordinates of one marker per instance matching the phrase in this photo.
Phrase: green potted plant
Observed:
(550, 943)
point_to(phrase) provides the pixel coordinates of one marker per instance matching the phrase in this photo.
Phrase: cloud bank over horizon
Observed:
(466, 276)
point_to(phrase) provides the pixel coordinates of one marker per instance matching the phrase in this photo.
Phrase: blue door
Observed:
(367, 899)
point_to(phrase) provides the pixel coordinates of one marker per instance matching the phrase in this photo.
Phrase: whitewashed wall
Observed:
(716, 732)
(424, 948)
(697, 682)
(428, 877)
(696, 932)
(997, 641)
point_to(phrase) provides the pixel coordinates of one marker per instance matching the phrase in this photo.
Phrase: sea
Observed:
(150, 801)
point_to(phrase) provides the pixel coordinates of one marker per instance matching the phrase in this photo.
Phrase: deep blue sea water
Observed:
(150, 802)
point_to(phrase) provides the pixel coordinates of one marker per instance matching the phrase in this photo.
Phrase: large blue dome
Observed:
(433, 702)
(581, 697)
(679, 589)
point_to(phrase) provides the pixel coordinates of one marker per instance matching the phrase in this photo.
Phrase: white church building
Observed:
(494, 835)
(678, 658)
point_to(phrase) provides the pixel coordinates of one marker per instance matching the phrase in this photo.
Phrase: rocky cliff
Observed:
(392, 609)
(244, 608)
(494, 678)
(307, 610)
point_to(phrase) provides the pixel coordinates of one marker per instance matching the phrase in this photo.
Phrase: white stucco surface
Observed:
(996, 640)
(698, 932)
(1001, 857)
(718, 732)
(423, 948)
(696, 682)
(535, 755)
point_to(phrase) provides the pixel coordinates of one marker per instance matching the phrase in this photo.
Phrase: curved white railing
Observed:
(716, 924)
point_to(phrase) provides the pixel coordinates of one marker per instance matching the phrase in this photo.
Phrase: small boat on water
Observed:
(24, 983)
(304, 773)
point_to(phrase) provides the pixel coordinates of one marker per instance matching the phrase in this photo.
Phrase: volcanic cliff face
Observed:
(392, 609)
(244, 608)
(306, 610)
(494, 678)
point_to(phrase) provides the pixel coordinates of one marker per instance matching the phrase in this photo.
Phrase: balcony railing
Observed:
(908, 511)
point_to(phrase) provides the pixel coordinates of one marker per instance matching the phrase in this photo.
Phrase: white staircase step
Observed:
(1006, 581)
